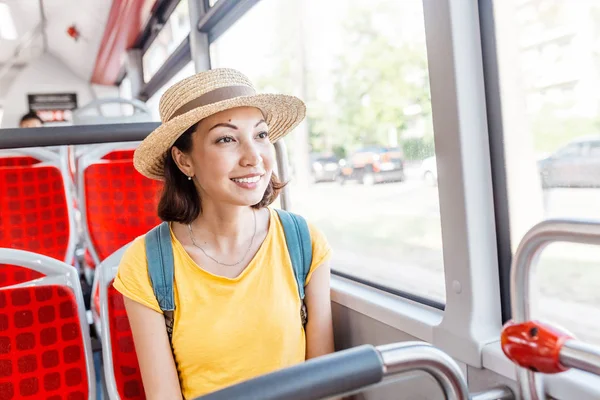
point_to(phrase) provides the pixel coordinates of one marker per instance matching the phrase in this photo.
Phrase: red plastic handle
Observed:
(534, 346)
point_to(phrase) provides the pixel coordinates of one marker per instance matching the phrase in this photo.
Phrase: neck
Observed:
(224, 225)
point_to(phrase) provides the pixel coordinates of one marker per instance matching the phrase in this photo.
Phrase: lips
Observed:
(250, 179)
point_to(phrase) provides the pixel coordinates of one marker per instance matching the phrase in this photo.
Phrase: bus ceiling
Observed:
(89, 38)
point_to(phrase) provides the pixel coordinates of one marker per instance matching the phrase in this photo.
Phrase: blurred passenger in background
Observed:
(31, 120)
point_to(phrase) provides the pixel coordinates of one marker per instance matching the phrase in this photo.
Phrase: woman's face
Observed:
(231, 157)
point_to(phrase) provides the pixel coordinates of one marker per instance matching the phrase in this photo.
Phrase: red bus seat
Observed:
(119, 204)
(45, 349)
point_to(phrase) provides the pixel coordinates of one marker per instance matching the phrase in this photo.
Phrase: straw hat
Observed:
(202, 95)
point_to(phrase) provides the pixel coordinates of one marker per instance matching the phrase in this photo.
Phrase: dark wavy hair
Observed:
(31, 115)
(180, 200)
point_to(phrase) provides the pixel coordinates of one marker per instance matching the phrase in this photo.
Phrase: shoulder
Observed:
(132, 279)
(136, 252)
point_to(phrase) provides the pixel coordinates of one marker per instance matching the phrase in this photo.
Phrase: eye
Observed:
(263, 135)
(225, 139)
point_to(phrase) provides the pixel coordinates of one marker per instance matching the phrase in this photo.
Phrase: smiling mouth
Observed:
(252, 179)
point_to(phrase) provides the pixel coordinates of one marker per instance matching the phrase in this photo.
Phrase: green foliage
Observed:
(379, 70)
(418, 148)
(340, 152)
(551, 132)
(377, 77)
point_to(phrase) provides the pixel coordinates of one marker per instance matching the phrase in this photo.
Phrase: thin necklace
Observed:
(218, 262)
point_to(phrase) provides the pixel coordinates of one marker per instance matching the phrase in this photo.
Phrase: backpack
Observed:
(159, 253)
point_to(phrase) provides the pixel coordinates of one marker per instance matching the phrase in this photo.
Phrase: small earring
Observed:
(189, 178)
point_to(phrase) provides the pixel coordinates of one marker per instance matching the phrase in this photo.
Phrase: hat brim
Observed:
(282, 114)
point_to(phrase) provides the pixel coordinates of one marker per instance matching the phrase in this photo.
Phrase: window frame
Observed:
(206, 24)
(162, 11)
(163, 21)
(497, 151)
(456, 73)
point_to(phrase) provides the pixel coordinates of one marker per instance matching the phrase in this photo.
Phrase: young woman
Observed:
(237, 308)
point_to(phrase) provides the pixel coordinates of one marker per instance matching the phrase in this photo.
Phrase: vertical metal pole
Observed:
(135, 71)
(284, 175)
(199, 45)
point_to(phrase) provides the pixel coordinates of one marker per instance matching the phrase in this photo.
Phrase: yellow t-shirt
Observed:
(229, 330)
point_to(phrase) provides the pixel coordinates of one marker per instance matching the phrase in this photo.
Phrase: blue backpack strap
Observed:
(159, 253)
(299, 244)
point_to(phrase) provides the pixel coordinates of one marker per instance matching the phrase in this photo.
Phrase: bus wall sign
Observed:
(53, 107)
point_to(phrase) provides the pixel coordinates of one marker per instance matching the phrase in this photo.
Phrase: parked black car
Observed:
(372, 165)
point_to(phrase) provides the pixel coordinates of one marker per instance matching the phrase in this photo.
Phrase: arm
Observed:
(319, 328)
(153, 349)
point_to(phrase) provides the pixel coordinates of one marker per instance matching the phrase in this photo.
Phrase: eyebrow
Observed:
(223, 125)
(226, 125)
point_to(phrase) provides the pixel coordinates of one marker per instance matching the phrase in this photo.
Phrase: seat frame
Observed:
(105, 274)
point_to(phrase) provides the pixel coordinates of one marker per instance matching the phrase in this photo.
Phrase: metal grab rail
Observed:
(409, 356)
(532, 345)
(355, 369)
(72, 135)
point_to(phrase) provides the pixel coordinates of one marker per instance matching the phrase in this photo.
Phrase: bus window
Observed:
(153, 102)
(175, 30)
(357, 161)
(551, 117)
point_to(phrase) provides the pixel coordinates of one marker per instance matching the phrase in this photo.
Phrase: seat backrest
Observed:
(119, 204)
(120, 154)
(45, 348)
(14, 274)
(17, 161)
(121, 368)
(27, 156)
(35, 214)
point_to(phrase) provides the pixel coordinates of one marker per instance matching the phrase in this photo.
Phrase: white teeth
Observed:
(254, 179)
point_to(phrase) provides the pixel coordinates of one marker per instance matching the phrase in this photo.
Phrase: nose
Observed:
(251, 155)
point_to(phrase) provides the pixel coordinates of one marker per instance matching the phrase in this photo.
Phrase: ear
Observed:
(184, 161)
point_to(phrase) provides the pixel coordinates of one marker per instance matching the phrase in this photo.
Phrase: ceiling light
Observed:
(7, 26)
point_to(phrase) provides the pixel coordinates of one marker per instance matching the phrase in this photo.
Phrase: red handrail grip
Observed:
(534, 345)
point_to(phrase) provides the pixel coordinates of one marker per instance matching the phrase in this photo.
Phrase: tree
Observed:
(379, 75)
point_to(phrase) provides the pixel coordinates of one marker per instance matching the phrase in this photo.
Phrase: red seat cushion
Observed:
(34, 214)
(42, 353)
